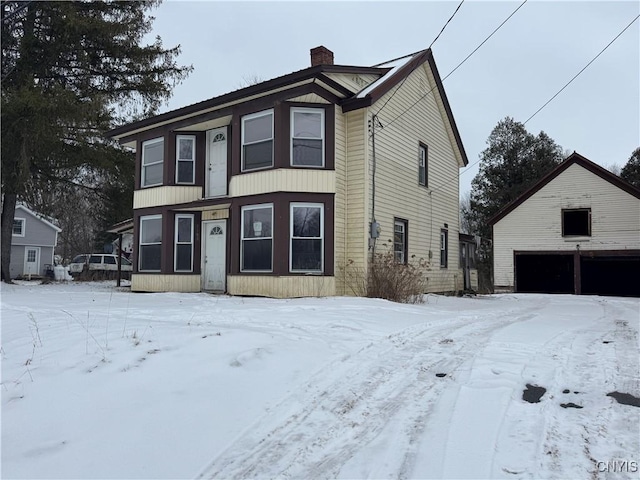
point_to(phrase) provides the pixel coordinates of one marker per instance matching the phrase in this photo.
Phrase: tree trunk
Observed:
(8, 212)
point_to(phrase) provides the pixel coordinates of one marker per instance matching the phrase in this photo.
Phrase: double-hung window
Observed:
(18, 227)
(444, 248)
(400, 240)
(307, 137)
(307, 239)
(185, 158)
(152, 162)
(256, 249)
(150, 243)
(183, 254)
(423, 161)
(257, 140)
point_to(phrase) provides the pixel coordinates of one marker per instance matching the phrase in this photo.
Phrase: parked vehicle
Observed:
(99, 265)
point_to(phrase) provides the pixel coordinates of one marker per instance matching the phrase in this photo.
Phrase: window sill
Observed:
(577, 238)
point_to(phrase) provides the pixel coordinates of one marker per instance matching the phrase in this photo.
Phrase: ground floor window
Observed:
(256, 248)
(400, 240)
(306, 237)
(444, 248)
(183, 254)
(150, 243)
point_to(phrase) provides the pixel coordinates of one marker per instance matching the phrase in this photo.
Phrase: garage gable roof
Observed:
(573, 159)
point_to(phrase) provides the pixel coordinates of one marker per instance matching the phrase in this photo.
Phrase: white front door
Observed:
(214, 258)
(31, 260)
(217, 162)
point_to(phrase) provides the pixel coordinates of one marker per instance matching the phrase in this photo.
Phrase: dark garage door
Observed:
(598, 273)
(610, 275)
(544, 273)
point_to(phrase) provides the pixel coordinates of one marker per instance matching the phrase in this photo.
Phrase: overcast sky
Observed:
(513, 74)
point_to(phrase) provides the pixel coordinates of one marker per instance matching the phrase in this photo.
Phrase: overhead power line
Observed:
(549, 101)
(406, 76)
(459, 65)
(583, 69)
(445, 25)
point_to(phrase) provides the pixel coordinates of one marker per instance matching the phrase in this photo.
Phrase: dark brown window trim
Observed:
(405, 222)
(282, 136)
(422, 145)
(281, 230)
(168, 239)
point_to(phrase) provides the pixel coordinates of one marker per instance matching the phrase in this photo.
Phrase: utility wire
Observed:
(406, 76)
(445, 25)
(549, 101)
(583, 69)
(459, 65)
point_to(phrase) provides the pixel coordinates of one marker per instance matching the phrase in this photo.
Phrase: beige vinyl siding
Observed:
(340, 213)
(398, 193)
(281, 287)
(536, 225)
(170, 195)
(353, 82)
(219, 214)
(309, 98)
(357, 191)
(283, 180)
(164, 283)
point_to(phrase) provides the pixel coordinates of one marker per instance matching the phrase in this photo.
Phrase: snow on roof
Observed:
(395, 65)
(38, 216)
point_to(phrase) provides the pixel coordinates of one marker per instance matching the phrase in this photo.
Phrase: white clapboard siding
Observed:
(281, 287)
(536, 224)
(283, 180)
(164, 283)
(170, 195)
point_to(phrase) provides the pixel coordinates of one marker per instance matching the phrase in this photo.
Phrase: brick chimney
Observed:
(321, 56)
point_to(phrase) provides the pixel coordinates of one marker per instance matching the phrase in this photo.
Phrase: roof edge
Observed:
(305, 74)
(573, 159)
(38, 216)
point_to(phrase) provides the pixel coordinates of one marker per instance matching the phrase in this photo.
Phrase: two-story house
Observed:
(277, 188)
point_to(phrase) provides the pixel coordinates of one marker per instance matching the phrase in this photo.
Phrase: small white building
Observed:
(575, 231)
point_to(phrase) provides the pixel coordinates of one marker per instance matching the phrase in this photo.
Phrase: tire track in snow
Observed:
(349, 402)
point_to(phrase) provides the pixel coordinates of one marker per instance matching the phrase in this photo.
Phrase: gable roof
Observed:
(389, 75)
(38, 216)
(573, 159)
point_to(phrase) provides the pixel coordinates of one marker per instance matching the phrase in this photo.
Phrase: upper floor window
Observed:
(423, 161)
(400, 240)
(183, 255)
(150, 243)
(576, 222)
(18, 227)
(185, 158)
(307, 236)
(256, 246)
(307, 137)
(257, 140)
(152, 162)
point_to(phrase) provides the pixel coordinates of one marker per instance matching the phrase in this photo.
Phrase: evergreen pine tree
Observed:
(71, 71)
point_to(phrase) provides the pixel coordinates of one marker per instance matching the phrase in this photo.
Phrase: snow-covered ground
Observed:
(102, 383)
